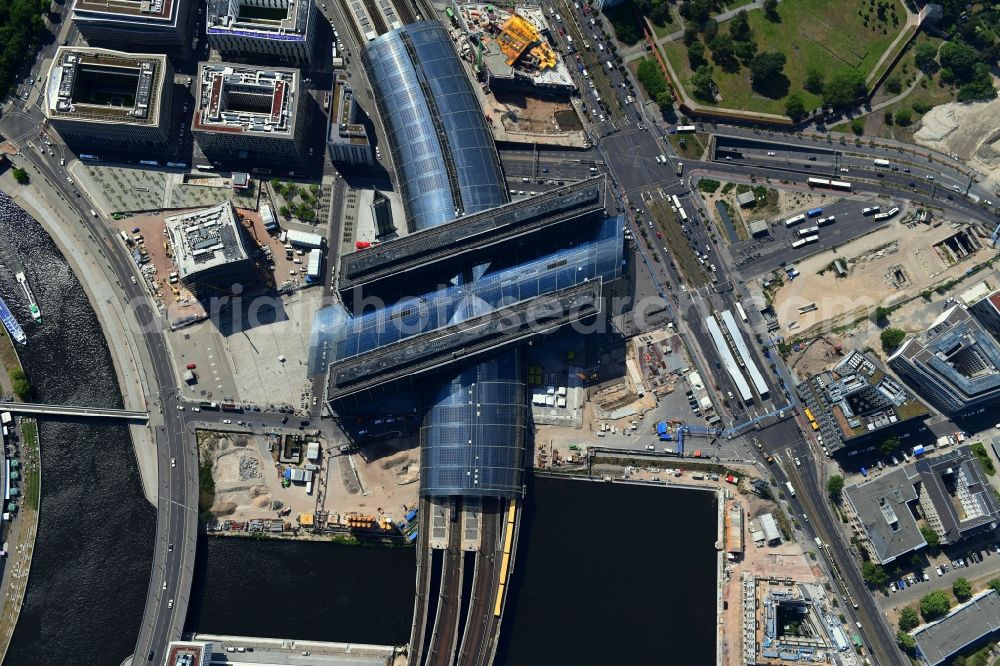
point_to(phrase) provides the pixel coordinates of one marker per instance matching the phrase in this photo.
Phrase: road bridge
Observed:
(73, 410)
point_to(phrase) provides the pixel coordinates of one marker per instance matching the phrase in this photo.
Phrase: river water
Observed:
(94, 546)
(612, 574)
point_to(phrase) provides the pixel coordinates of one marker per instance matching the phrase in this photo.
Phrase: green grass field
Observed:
(813, 34)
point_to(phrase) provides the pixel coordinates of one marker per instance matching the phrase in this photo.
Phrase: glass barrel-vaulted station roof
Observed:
(474, 437)
(441, 148)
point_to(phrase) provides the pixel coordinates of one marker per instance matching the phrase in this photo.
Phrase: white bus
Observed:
(742, 312)
(681, 129)
(809, 231)
(792, 221)
(205, 167)
(799, 243)
(149, 163)
(823, 221)
(684, 216)
(676, 201)
(811, 239)
(840, 185)
(881, 163)
(818, 182)
(871, 210)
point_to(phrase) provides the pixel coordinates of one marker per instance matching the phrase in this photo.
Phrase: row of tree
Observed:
(20, 25)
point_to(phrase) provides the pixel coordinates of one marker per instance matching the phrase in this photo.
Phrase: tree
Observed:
(930, 536)
(893, 84)
(962, 589)
(690, 34)
(904, 117)
(696, 11)
(906, 641)
(934, 605)
(724, 52)
(710, 29)
(696, 55)
(739, 27)
(19, 382)
(892, 338)
(745, 51)
(882, 313)
(908, 618)
(767, 67)
(795, 108)
(924, 56)
(995, 584)
(704, 86)
(20, 175)
(959, 58)
(874, 574)
(858, 126)
(843, 88)
(889, 444)
(771, 11)
(887, 117)
(814, 81)
(665, 101)
(835, 486)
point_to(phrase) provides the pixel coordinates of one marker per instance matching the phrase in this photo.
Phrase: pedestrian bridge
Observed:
(72, 410)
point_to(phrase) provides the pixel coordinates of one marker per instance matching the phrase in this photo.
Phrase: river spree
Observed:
(304, 590)
(612, 574)
(94, 547)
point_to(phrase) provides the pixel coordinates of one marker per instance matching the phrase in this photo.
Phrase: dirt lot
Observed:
(532, 114)
(874, 263)
(390, 478)
(970, 131)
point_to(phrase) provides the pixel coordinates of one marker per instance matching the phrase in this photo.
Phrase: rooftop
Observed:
(964, 625)
(883, 506)
(962, 497)
(344, 124)
(956, 351)
(146, 9)
(205, 239)
(100, 85)
(284, 20)
(245, 98)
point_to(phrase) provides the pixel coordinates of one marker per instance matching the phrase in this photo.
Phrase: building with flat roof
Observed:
(986, 310)
(954, 365)
(210, 250)
(746, 199)
(957, 500)
(885, 508)
(346, 137)
(251, 114)
(963, 627)
(263, 30)
(189, 653)
(858, 399)
(143, 24)
(946, 493)
(97, 97)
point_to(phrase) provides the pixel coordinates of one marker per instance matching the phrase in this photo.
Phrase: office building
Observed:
(382, 214)
(253, 115)
(954, 365)
(97, 97)
(210, 250)
(346, 137)
(947, 494)
(265, 31)
(964, 627)
(135, 24)
(986, 310)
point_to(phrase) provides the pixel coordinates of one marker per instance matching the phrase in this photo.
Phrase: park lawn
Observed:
(930, 91)
(824, 35)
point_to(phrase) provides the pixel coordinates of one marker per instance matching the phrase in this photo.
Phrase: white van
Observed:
(93, 212)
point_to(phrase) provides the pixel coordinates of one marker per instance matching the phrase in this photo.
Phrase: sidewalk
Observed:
(117, 322)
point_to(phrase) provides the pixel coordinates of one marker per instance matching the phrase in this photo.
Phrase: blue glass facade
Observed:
(341, 337)
(441, 148)
(473, 436)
